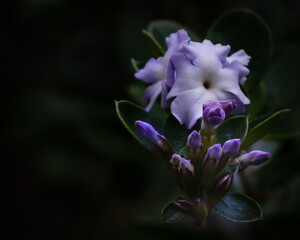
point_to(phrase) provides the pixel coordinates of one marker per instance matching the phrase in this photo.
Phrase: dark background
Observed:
(76, 172)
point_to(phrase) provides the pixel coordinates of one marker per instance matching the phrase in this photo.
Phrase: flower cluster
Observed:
(202, 171)
(194, 73)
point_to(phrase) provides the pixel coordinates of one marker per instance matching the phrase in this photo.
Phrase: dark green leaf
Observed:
(128, 113)
(243, 29)
(237, 207)
(234, 127)
(170, 214)
(177, 134)
(261, 126)
(156, 49)
(257, 100)
(162, 29)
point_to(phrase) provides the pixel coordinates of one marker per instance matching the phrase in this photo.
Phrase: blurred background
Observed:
(76, 173)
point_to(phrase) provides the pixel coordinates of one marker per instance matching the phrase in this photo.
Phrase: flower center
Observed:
(206, 84)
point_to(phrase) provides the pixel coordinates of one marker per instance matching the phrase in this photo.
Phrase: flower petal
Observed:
(152, 72)
(240, 56)
(152, 93)
(187, 106)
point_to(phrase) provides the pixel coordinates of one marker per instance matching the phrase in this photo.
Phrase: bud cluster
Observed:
(201, 174)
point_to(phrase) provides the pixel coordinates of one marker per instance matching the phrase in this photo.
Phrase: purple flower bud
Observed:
(258, 157)
(228, 106)
(184, 206)
(220, 187)
(213, 113)
(182, 164)
(194, 140)
(231, 147)
(175, 160)
(214, 152)
(255, 157)
(147, 131)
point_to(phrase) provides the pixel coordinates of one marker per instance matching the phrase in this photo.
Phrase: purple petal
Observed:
(152, 72)
(240, 56)
(176, 38)
(151, 94)
(187, 106)
(258, 157)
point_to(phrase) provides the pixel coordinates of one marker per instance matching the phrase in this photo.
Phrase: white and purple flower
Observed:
(205, 74)
(195, 73)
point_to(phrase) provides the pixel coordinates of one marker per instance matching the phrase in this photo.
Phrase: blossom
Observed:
(203, 74)
(159, 72)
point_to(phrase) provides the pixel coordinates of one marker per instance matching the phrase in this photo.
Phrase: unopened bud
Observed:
(194, 148)
(184, 206)
(231, 147)
(213, 115)
(206, 172)
(157, 141)
(220, 188)
(255, 157)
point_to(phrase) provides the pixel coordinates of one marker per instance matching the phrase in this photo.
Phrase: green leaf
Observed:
(240, 208)
(243, 29)
(170, 214)
(261, 126)
(163, 28)
(234, 127)
(128, 113)
(156, 49)
(257, 100)
(177, 134)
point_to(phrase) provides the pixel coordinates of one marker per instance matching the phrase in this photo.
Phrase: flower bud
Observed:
(157, 141)
(194, 140)
(200, 213)
(194, 148)
(213, 113)
(184, 173)
(207, 171)
(231, 147)
(184, 206)
(228, 106)
(255, 157)
(219, 188)
(147, 132)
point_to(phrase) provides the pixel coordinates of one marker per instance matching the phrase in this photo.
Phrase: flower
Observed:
(159, 72)
(204, 74)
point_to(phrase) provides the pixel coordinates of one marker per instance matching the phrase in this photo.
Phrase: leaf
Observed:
(177, 134)
(234, 127)
(243, 29)
(156, 49)
(170, 214)
(128, 113)
(261, 126)
(163, 28)
(257, 101)
(240, 208)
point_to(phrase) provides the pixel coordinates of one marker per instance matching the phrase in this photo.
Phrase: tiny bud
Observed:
(258, 157)
(194, 140)
(157, 141)
(214, 152)
(255, 157)
(231, 147)
(219, 188)
(175, 160)
(206, 173)
(228, 106)
(194, 148)
(147, 131)
(200, 209)
(185, 165)
(184, 206)
(213, 113)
